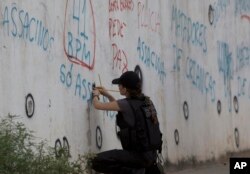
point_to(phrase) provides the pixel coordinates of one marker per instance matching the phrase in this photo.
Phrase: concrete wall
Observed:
(193, 57)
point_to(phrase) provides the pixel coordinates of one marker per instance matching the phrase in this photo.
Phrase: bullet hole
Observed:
(176, 137)
(185, 110)
(236, 104)
(211, 14)
(219, 107)
(49, 103)
(237, 137)
(29, 105)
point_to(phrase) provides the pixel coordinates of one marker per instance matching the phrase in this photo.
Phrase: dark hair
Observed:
(136, 93)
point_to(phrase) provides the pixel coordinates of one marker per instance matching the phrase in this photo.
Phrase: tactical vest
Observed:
(145, 134)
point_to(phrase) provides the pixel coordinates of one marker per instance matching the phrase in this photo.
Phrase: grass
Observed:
(21, 153)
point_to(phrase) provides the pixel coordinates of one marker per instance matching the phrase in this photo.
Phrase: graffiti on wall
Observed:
(121, 5)
(20, 24)
(79, 33)
(242, 6)
(247, 17)
(178, 55)
(200, 78)
(242, 57)
(243, 87)
(151, 59)
(225, 66)
(82, 86)
(117, 30)
(204, 81)
(120, 60)
(148, 18)
(242, 63)
(217, 10)
(149, 21)
(191, 32)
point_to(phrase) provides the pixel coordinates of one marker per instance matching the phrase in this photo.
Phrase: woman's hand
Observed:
(112, 105)
(103, 91)
(96, 92)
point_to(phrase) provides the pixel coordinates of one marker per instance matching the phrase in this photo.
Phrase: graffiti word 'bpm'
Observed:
(79, 33)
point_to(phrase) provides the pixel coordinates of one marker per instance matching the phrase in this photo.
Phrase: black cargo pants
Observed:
(123, 162)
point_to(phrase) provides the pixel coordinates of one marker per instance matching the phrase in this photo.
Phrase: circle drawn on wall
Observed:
(98, 137)
(176, 137)
(237, 137)
(29, 105)
(58, 147)
(211, 14)
(139, 72)
(66, 146)
(219, 107)
(236, 104)
(185, 110)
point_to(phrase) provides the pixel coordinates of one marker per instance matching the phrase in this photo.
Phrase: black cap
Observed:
(128, 79)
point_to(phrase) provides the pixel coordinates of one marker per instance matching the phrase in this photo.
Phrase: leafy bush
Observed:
(20, 154)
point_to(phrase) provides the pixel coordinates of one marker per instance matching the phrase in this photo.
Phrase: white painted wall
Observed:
(55, 51)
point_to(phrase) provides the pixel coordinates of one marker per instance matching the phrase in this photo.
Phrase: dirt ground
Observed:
(221, 166)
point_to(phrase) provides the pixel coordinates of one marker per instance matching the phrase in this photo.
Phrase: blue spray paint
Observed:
(242, 6)
(219, 8)
(225, 65)
(193, 33)
(178, 56)
(19, 24)
(200, 78)
(78, 43)
(82, 86)
(243, 57)
(151, 59)
(242, 84)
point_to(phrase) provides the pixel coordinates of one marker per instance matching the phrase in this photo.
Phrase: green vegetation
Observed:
(21, 154)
